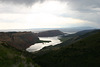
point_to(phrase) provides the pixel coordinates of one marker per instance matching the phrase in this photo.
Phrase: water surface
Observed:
(38, 46)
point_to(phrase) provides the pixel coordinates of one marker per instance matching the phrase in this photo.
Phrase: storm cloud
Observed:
(83, 5)
(87, 11)
(84, 9)
(21, 2)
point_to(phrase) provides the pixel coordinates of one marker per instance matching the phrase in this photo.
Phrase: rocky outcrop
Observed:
(50, 33)
(19, 40)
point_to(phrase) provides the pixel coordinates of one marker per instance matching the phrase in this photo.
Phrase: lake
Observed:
(38, 46)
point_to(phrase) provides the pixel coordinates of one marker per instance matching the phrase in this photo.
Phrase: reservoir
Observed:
(38, 46)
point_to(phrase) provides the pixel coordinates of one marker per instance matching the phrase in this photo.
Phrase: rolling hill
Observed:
(50, 33)
(82, 53)
(11, 57)
(19, 40)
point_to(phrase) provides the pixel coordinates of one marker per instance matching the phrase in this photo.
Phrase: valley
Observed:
(49, 33)
(80, 49)
(82, 53)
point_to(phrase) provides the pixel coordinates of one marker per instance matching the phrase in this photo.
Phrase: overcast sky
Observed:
(25, 14)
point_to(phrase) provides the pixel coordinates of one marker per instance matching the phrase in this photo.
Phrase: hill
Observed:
(82, 53)
(11, 57)
(50, 33)
(67, 40)
(75, 29)
(19, 40)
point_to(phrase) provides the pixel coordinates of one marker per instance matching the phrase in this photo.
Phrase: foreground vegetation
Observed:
(83, 53)
(11, 57)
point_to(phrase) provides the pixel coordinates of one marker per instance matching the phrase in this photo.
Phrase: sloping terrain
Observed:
(19, 40)
(67, 40)
(11, 57)
(77, 34)
(83, 53)
(50, 33)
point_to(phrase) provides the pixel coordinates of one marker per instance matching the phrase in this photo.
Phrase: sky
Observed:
(27, 14)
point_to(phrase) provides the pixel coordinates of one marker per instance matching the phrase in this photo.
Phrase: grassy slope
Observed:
(84, 53)
(11, 57)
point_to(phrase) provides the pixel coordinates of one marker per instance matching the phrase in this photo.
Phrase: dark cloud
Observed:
(21, 2)
(80, 5)
(85, 9)
(82, 9)
(83, 5)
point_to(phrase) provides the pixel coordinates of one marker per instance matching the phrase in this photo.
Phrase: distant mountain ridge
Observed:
(50, 33)
(65, 30)
(36, 30)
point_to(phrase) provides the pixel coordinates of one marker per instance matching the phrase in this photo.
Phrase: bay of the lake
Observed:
(38, 46)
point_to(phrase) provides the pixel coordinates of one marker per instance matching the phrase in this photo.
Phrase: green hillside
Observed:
(83, 53)
(11, 57)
